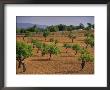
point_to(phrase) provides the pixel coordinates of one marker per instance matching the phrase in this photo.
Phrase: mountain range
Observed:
(28, 25)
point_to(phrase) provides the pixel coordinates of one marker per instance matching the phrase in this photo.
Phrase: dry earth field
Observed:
(63, 63)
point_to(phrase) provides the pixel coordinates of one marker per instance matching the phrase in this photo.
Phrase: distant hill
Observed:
(28, 25)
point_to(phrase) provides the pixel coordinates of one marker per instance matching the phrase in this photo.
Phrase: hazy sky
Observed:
(54, 20)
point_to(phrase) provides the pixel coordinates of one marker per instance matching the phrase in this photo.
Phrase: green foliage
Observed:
(89, 34)
(46, 33)
(28, 34)
(89, 26)
(22, 30)
(53, 28)
(23, 50)
(76, 47)
(44, 49)
(35, 29)
(34, 42)
(56, 41)
(86, 57)
(93, 26)
(72, 36)
(18, 31)
(67, 45)
(92, 36)
(89, 41)
(83, 50)
(70, 28)
(53, 49)
(38, 44)
(81, 26)
(61, 27)
(31, 29)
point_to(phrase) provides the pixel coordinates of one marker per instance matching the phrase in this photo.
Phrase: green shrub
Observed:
(76, 47)
(23, 51)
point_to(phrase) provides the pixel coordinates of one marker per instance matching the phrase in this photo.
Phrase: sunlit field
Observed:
(57, 49)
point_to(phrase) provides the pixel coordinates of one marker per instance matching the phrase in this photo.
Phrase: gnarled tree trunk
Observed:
(76, 52)
(21, 63)
(82, 64)
(66, 50)
(50, 56)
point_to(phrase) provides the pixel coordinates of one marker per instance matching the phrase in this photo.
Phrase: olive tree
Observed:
(89, 26)
(67, 46)
(76, 47)
(85, 57)
(29, 35)
(44, 49)
(23, 51)
(88, 34)
(46, 33)
(51, 40)
(89, 41)
(81, 26)
(56, 41)
(53, 28)
(38, 45)
(34, 43)
(53, 49)
(83, 50)
(72, 36)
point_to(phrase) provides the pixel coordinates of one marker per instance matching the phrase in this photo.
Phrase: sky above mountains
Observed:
(55, 20)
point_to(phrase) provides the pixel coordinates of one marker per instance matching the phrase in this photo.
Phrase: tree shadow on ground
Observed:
(45, 59)
(66, 56)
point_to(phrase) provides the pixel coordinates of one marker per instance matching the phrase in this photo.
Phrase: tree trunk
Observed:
(37, 50)
(86, 45)
(50, 56)
(82, 64)
(43, 53)
(24, 67)
(19, 63)
(66, 50)
(33, 46)
(75, 52)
